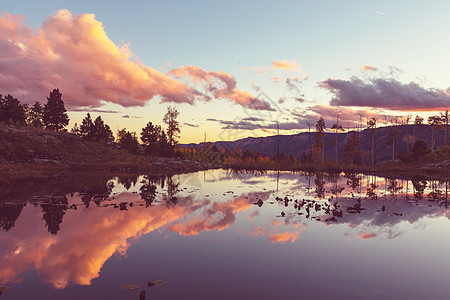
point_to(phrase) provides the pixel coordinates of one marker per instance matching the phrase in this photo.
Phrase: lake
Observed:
(224, 235)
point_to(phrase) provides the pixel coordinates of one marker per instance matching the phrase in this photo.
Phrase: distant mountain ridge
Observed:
(296, 144)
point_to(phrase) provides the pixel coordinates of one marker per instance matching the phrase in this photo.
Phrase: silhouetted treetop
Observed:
(55, 115)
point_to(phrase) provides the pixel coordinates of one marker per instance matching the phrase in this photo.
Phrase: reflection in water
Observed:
(279, 207)
(53, 211)
(9, 213)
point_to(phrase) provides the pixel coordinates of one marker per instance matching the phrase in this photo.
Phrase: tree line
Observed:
(354, 150)
(53, 116)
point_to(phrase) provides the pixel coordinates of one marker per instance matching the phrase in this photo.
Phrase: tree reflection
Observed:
(127, 181)
(53, 212)
(320, 185)
(147, 190)
(353, 180)
(96, 193)
(393, 186)
(9, 213)
(172, 189)
(419, 186)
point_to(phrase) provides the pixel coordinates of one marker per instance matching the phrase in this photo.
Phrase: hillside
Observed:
(29, 149)
(296, 144)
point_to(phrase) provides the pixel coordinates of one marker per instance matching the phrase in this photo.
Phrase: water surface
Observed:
(224, 235)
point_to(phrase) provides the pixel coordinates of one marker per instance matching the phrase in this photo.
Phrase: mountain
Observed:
(296, 144)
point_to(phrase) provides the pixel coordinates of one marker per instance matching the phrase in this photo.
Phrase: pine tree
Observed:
(87, 129)
(320, 133)
(102, 132)
(11, 111)
(150, 136)
(35, 115)
(55, 115)
(129, 142)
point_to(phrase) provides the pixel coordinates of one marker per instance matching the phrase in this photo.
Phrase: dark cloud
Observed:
(385, 93)
(133, 117)
(191, 125)
(254, 119)
(245, 125)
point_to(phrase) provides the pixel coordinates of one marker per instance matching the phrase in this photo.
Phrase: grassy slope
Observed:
(27, 150)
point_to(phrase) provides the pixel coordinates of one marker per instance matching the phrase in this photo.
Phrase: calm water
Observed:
(222, 235)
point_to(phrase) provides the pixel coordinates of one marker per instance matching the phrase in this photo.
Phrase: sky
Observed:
(232, 68)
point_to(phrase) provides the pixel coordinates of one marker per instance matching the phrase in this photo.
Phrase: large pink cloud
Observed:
(221, 85)
(73, 53)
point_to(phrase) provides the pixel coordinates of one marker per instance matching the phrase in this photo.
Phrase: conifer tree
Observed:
(55, 115)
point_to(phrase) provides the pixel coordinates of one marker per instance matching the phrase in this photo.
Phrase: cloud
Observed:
(278, 237)
(367, 68)
(73, 53)
(245, 125)
(285, 65)
(255, 87)
(94, 110)
(217, 217)
(191, 125)
(253, 119)
(385, 93)
(221, 85)
(97, 234)
(294, 84)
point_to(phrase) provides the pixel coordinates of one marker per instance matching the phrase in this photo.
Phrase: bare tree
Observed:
(173, 130)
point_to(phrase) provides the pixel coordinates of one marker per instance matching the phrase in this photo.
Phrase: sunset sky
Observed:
(232, 68)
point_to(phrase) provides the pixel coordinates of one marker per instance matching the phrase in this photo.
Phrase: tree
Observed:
(87, 129)
(310, 144)
(163, 144)
(35, 115)
(55, 115)
(352, 150)
(102, 132)
(129, 142)
(320, 133)
(444, 120)
(337, 128)
(11, 111)
(434, 122)
(372, 126)
(173, 129)
(393, 135)
(75, 130)
(150, 136)
(419, 149)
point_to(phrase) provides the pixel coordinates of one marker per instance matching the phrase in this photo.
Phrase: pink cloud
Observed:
(367, 68)
(285, 65)
(221, 85)
(218, 217)
(73, 53)
(97, 233)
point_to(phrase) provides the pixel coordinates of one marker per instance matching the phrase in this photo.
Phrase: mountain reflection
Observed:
(67, 229)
